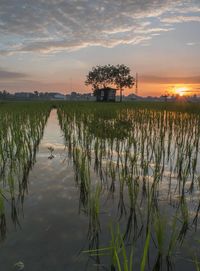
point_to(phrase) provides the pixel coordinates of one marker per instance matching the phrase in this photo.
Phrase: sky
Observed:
(52, 45)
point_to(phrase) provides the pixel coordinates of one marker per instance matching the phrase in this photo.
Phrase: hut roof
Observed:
(106, 88)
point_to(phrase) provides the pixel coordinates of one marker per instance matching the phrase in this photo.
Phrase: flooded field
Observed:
(87, 186)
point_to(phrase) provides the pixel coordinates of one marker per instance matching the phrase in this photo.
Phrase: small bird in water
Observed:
(19, 265)
(51, 149)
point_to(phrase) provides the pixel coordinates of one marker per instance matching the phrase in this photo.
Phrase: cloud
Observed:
(180, 19)
(4, 75)
(191, 43)
(170, 80)
(154, 31)
(57, 25)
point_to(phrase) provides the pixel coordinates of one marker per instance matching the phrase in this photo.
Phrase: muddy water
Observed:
(51, 231)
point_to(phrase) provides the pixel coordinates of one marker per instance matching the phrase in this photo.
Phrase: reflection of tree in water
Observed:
(149, 158)
(21, 130)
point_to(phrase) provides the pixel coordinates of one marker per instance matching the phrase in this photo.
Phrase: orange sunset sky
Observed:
(51, 45)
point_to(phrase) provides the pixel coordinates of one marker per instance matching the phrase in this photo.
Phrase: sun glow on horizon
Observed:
(180, 90)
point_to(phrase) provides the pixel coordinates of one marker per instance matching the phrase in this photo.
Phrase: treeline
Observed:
(5, 95)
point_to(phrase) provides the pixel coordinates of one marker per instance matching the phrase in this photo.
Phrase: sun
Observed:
(181, 91)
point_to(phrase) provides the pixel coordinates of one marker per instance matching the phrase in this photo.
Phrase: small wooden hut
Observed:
(106, 94)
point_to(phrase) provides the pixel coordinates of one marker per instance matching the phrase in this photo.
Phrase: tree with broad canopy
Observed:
(110, 76)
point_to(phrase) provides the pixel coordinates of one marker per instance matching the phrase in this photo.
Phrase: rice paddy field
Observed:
(94, 186)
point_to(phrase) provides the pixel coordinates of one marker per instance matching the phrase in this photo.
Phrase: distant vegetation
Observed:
(5, 95)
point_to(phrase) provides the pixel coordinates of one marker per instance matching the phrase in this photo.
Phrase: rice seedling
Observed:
(145, 251)
(120, 259)
(197, 263)
(93, 214)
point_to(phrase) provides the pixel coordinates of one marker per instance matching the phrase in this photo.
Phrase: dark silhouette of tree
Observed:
(110, 76)
(36, 93)
(123, 79)
(4, 94)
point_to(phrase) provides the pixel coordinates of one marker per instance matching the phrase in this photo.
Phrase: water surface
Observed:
(53, 226)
